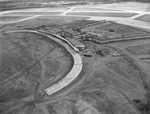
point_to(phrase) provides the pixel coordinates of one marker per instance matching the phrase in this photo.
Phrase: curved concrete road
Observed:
(77, 66)
(76, 69)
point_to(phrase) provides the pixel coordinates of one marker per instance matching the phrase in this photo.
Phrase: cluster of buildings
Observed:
(101, 32)
(95, 32)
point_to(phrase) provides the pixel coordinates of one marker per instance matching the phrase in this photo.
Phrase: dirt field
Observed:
(40, 22)
(102, 92)
(28, 61)
(125, 69)
(107, 84)
(103, 14)
(139, 49)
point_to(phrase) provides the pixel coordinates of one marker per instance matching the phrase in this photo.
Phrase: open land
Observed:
(30, 61)
(33, 13)
(115, 78)
(7, 19)
(4, 18)
(144, 18)
(103, 14)
(93, 9)
(131, 6)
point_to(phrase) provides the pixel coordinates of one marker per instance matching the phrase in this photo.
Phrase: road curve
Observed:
(77, 66)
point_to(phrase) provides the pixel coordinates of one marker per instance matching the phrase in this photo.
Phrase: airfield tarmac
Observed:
(130, 15)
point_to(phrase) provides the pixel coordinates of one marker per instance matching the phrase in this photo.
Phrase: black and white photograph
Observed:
(74, 56)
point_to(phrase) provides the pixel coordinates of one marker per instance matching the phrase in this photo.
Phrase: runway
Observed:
(100, 12)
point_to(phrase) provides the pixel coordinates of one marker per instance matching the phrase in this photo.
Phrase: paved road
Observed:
(77, 66)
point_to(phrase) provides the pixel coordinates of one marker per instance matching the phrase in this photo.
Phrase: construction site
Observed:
(61, 61)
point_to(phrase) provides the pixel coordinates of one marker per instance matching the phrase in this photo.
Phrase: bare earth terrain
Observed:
(115, 78)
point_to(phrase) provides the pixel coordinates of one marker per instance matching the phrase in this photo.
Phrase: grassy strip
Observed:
(145, 18)
(103, 14)
(32, 13)
(94, 9)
